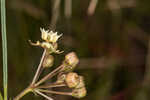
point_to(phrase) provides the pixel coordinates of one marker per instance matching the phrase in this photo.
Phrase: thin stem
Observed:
(50, 75)
(92, 7)
(56, 92)
(27, 90)
(55, 13)
(40, 93)
(147, 73)
(68, 8)
(4, 46)
(1, 97)
(52, 85)
(40, 68)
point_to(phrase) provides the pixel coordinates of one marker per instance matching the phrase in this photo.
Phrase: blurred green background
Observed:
(111, 38)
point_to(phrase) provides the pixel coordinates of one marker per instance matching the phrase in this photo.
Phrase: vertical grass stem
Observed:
(4, 46)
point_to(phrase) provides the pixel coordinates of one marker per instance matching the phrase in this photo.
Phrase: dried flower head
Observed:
(79, 93)
(49, 36)
(50, 41)
(72, 80)
(48, 61)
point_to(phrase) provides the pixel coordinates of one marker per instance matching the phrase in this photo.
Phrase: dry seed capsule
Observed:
(61, 78)
(81, 82)
(72, 79)
(48, 61)
(79, 93)
(67, 68)
(70, 62)
(71, 59)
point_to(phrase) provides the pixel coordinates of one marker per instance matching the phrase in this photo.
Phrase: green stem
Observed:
(1, 97)
(4, 46)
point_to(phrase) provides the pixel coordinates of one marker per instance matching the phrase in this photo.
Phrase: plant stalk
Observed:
(52, 86)
(4, 46)
(1, 97)
(40, 68)
(56, 92)
(23, 93)
(45, 96)
(50, 75)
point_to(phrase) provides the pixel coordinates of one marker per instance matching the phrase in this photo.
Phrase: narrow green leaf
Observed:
(1, 97)
(4, 46)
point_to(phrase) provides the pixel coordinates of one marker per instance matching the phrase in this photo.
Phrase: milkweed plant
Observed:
(64, 73)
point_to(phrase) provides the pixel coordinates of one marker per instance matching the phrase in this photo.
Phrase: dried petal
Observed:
(49, 36)
(44, 33)
(35, 44)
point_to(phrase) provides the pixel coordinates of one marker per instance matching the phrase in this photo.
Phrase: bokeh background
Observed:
(111, 38)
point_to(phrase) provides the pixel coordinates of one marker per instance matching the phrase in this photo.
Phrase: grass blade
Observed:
(1, 97)
(4, 46)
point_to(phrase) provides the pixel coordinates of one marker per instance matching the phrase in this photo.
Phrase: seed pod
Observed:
(61, 78)
(81, 83)
(70, 62)
(48, 61)
(79, 93)
(71, 59)
(72, 79)
(67, 68)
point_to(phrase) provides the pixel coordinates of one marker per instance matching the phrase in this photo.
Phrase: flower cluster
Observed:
(65, 75)
(50, 41)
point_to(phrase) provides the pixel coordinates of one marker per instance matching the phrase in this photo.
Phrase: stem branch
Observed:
(55, 92)
(40, 68)
(27, 90)
(52, 85)
(49, 98)
(50, 75)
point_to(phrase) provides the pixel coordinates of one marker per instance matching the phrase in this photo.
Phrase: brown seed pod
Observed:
(79, 93)
(71, 59)
(70, 62)
(81, 82)
(48, 61)
(72, 79)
